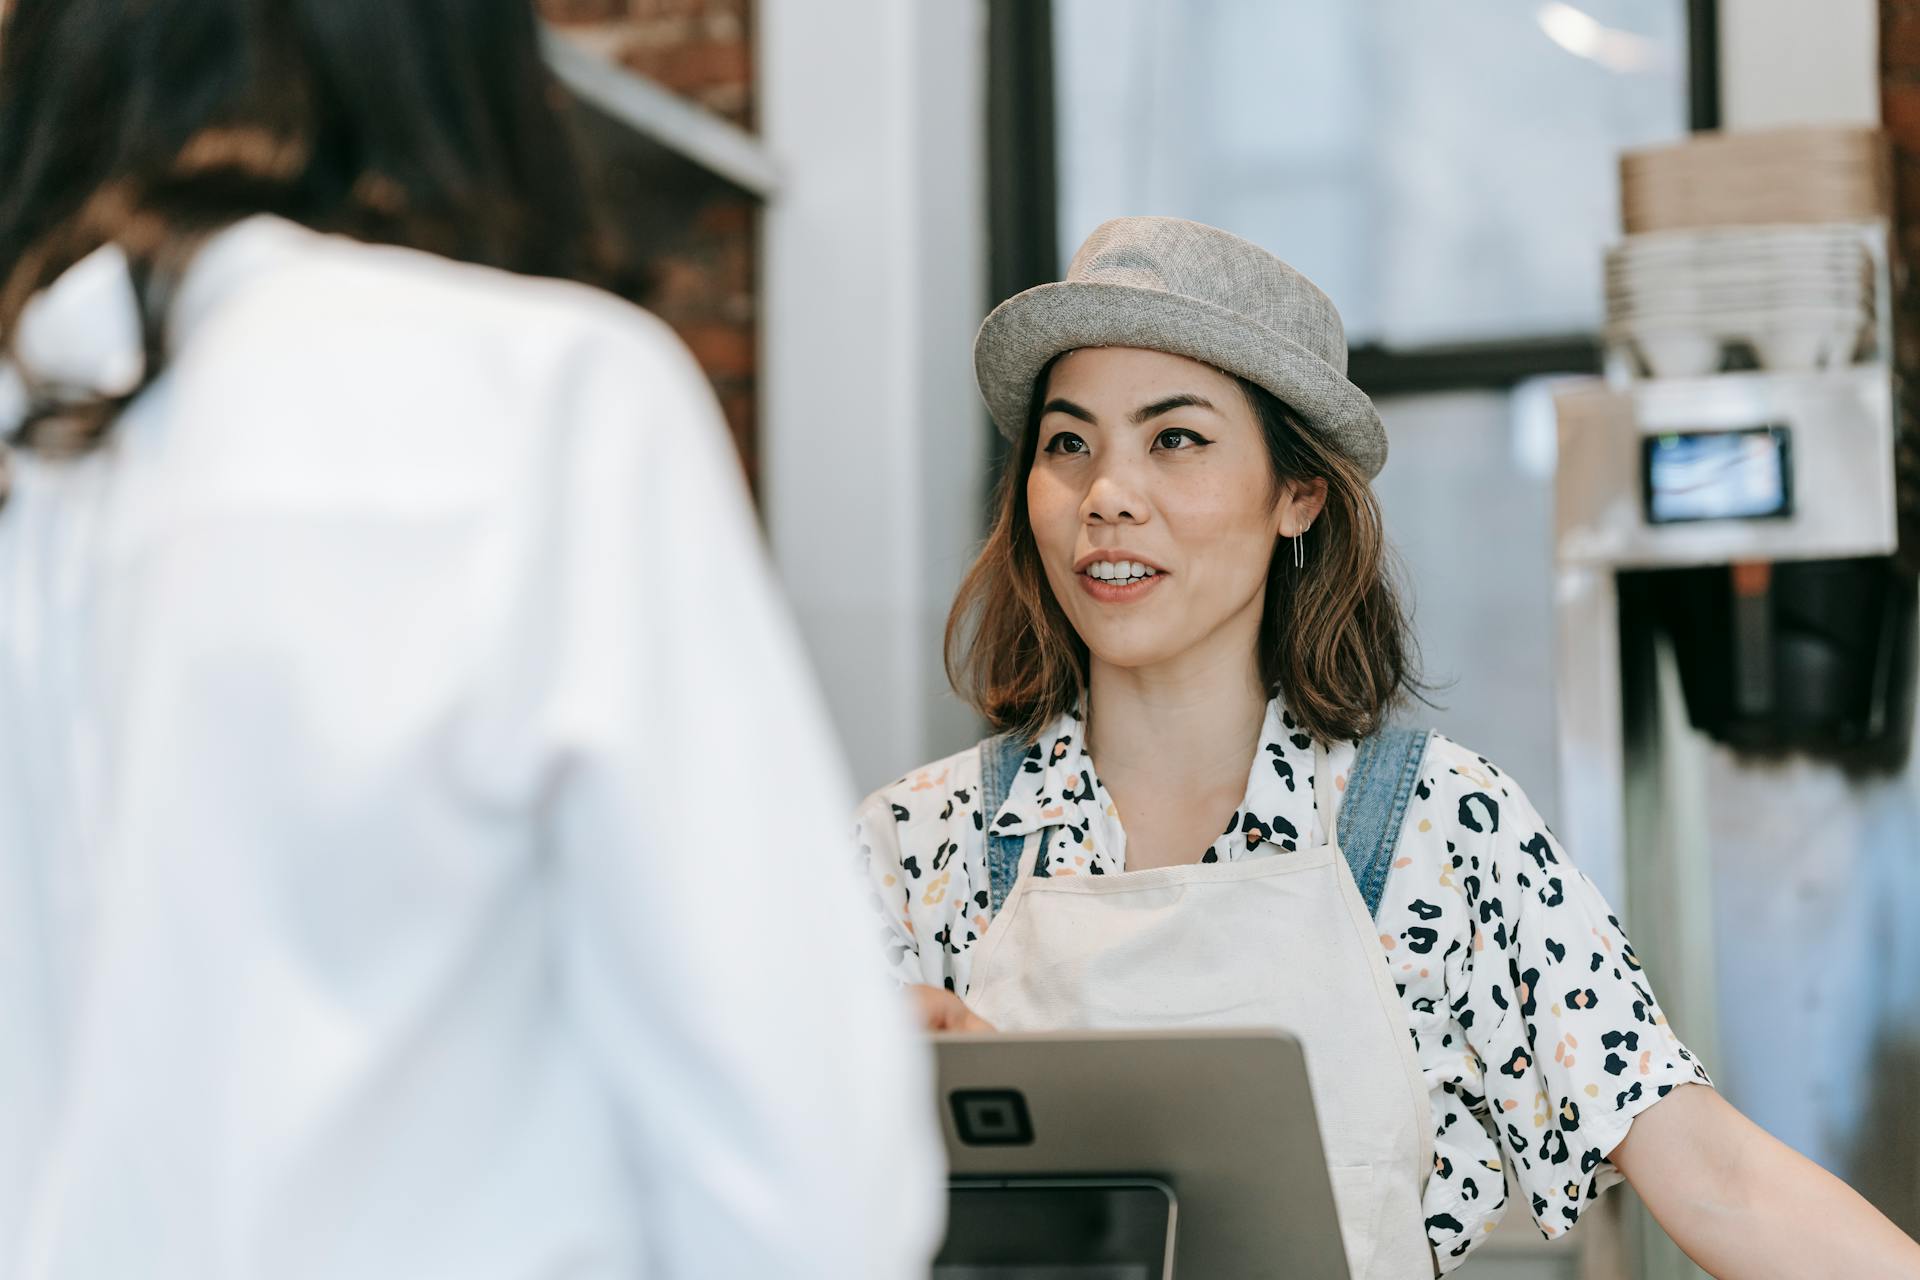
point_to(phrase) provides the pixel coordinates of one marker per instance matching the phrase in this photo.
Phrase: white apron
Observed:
(1282, 941)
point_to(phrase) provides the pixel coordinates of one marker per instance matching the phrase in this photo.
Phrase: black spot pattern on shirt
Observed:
(1282, 767)
(1488, 810)
(1482, 928)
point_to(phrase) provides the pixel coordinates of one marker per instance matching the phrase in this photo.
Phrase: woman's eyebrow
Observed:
(1068, 407)
(1171, 403)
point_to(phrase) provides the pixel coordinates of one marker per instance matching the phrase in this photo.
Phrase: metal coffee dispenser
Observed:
(1741, 518)
(1727, 595)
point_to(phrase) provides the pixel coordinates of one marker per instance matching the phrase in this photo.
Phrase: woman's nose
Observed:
(1111, 499)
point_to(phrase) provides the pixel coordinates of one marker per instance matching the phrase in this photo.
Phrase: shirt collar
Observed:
(1278, 808)
(1054, 774)
(1056, 785)
(80, 336)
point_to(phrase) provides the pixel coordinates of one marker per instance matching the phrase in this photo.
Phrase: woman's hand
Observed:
(941, 1010)
(1744, 1205)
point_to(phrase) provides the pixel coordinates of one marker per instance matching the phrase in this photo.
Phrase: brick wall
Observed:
(1900, 113)
(693, 234)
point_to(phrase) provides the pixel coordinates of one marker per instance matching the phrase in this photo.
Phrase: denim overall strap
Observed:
(1379, 786)
(1000, 759)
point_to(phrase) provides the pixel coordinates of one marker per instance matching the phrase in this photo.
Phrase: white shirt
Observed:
(1533, 1023)
(387, 851)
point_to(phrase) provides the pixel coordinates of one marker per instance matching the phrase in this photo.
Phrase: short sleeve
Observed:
(1569, 1041)
(876, 837)
(921, 845)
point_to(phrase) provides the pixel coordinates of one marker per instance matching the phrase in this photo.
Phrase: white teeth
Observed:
(1119, 570)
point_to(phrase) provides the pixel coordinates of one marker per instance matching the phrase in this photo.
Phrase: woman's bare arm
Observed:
(1744, 1205)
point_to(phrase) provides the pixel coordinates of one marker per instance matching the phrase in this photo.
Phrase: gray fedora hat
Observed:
(1182, 287)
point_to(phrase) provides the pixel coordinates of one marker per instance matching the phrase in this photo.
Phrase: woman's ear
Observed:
(1302, 505)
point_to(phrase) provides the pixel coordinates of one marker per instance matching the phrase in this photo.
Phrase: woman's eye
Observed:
(1066, 442)
(1178, 438)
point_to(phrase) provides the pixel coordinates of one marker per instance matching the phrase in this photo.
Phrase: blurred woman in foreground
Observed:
(384, 645)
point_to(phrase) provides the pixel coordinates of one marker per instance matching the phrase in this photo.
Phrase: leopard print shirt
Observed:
(1535, 1027)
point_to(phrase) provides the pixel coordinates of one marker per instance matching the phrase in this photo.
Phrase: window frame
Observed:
(1023, 202)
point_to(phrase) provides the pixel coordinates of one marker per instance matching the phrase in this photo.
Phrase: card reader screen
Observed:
(1066, 1230)
(1719, 475)
(1042, 1271)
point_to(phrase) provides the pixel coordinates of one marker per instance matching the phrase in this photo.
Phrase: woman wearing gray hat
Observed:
(1186, 586)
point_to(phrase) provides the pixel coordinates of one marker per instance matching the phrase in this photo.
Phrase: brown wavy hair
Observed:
(1335, 642)
(152, 124)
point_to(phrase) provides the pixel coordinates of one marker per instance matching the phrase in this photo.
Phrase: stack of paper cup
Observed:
(1799, 297)
(1801, 175)
(1749, 248)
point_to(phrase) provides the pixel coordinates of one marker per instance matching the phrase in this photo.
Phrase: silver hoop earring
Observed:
(1299, 550)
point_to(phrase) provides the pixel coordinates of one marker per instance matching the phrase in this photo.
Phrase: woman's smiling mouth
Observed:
(1116, 578)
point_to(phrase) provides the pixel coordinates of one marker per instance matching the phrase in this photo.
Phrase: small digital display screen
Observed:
(1065, 1230)
(1719, 475)
(1044, 1271)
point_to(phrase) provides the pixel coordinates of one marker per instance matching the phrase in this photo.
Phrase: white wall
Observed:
(875, 266)
(1816, 885)
(1478, 574)
(1787, 62)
